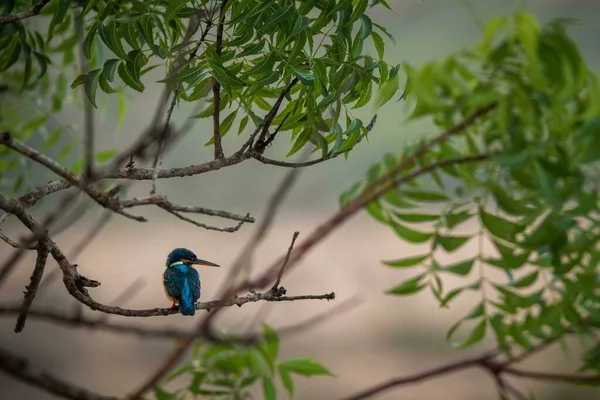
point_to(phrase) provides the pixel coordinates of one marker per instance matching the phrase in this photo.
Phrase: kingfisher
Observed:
(182, 281)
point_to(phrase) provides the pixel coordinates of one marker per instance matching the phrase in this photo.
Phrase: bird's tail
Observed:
(186, 304)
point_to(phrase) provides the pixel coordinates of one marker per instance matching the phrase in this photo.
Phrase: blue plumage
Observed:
(182, 281)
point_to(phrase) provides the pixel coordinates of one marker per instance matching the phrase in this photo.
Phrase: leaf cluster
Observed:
(229, 371)
(534, 196)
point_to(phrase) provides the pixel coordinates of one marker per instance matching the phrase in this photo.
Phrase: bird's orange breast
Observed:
(172, 299)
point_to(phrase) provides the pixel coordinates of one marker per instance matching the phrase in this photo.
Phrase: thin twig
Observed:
(229, 229)
(31, 289)
(287, 258)
(163, 202)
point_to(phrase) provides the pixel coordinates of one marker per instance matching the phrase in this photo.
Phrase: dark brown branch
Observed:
(31, 289)
(32, 375)
(30, 12)
(216, 88)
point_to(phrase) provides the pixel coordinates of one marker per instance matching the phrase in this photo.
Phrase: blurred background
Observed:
(381, 338)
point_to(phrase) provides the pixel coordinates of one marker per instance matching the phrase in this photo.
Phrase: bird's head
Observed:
(185, 256)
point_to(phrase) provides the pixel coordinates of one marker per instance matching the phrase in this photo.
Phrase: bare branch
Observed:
(229, 229)
(31, 289)
(287, 258)
(30, 12)
(164, 203)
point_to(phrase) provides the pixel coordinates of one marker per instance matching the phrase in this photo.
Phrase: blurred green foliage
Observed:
(225, 370)
(535, 196)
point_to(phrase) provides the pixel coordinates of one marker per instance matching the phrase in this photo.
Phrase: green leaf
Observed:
(173, 7)
(286, 380)
(90, 85)
(272, 341)
(127, 74)
(278, 17)
(379, 45)
(374, 209)
(304, 367)
(452, 220)
(425, 196)
(409, 234)
(162, 394)
(269, 391)
(110, 66)
(476, 335)
(546, 186)
(104, 156)
(387, 91)
(526, 280)
(499, 227)
(307, 77)
(476, 312)
(452, 243)
(462, 268)
(410, 286)
(111, 37)
(406, 262)
(417, 217)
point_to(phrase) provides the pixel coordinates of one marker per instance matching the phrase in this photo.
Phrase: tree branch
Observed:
(30, 12)
(23, 370)
(229, 229)
(31, 289)
(164, 203)
(287, 257)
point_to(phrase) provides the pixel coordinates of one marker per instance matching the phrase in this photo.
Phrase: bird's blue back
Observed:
(182, 282)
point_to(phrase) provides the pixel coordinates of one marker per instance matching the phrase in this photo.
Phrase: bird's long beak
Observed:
(198, 261)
